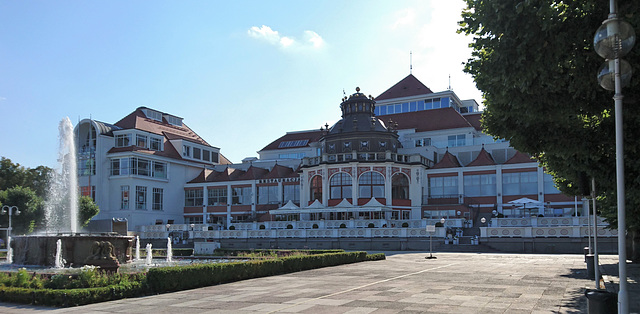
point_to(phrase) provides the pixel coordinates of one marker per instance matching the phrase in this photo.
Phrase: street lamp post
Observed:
(612, 41)
(10, 209)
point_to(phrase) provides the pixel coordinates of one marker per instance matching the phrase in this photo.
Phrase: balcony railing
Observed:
(366, 157)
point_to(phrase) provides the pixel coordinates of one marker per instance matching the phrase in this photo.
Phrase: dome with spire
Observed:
(359, 129)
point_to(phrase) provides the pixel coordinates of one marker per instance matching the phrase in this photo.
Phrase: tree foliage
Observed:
(29, 204)
(12, 175)
(87, 209)
(535, 64)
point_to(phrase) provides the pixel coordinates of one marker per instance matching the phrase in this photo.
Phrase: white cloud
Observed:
(313, 38)
(310, 39)
(404, 17)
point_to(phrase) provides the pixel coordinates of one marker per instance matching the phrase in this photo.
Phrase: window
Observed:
(371, 184)
(443, 186)
(214, 157)
(206, 155)
(141, 197)
(426, 141)
(268, 194)
(549, 185)
(291, 156)
(124, 197)
(340, 186)
(315, 188)
(291, 193)
(174, 120)
(141, 140)
(86, 166)
(193, 220)
(155, 144)
(157, 199)
(217, 196)
(480, 185)
(520, 183)
(88, 191)
(297, 143)
(419, 143)
(159, 170)
(400, 187)
(193, 197)
(138, 166)
(241, 196)
(123, 140)
(186, 151)
(141, 167)
(197, 153)
(152, 114)
(456, 140)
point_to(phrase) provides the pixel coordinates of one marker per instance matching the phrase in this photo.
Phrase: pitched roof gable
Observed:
(520, 158)
(139, 121)
(279, 171)
(253, 173)
(474, 119)
(408, 86)
(447, 161)
(483, 159)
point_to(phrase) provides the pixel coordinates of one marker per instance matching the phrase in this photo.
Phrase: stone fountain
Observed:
(107, 251)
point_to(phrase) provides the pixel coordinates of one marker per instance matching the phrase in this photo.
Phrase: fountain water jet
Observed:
(61, 222)
(149, 254)
(169, 250)
(137, 248)
(59, 262)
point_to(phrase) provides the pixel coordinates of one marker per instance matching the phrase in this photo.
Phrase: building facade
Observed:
(136, 168)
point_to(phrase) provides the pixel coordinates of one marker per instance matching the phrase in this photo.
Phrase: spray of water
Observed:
(61, 207)
(9, 251)
(149, 254)
(59, 262)
(137, 248)
(169, 250)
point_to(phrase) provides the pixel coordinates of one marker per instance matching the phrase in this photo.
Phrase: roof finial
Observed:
(410, 62)
(449, 82)
(358, 89)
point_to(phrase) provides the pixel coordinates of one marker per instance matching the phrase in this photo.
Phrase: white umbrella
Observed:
(527, 202)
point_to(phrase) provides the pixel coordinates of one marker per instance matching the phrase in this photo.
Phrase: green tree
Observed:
(12, 175)
(30, 205)
(535, 64)
(87, 210)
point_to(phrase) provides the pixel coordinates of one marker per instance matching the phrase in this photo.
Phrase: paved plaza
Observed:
(405, 282)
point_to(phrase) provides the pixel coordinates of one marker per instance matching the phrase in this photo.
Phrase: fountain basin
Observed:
(77, 249)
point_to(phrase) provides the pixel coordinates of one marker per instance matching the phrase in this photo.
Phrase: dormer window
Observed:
(173, 120)
(186, 151)
(123, 140)
(155, 144)
(152, 114)
(141, 141)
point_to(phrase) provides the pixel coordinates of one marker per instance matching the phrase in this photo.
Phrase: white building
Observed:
(136, 168)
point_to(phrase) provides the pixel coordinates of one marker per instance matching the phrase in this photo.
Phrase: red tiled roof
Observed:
(447, 161)
(474, 119)
(279, 171)
(483, 159)
(253, 173)
(202, 177)
(312, 136)
(137, 120)
(520, 158)
(429, 120)
(408, 86)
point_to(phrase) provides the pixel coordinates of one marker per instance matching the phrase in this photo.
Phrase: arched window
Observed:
(340, 186)
(316, 188)
(400, 187)
(371, 184)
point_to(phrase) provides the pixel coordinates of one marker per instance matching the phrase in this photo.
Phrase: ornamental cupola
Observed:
(359, 129)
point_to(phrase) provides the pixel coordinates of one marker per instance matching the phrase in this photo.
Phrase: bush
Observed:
(405, 225)
(376, 257)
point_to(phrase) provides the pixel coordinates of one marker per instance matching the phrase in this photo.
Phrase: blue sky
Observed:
(240, 73)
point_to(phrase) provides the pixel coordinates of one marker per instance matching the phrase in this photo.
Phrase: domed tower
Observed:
(359, 129)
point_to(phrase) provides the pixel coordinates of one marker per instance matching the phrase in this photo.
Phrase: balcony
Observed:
(366, 157)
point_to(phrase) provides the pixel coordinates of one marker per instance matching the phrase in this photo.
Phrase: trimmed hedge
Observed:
(176, 278)
(165, 279)
(235, 252)
(72, 297)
